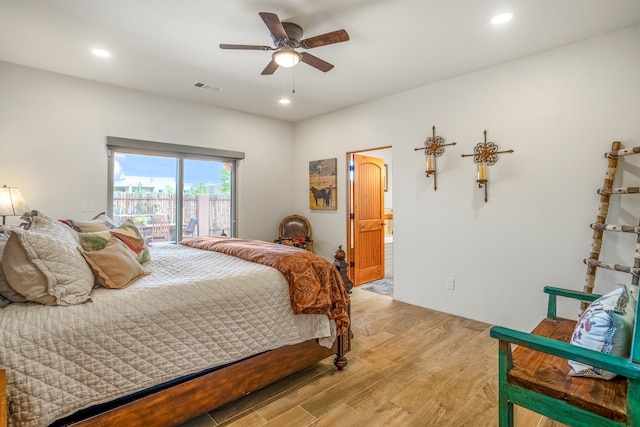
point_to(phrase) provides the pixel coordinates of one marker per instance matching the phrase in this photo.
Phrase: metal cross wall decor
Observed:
(433, 147)
(485, 154)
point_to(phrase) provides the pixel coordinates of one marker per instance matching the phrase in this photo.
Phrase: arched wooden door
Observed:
(367, 219)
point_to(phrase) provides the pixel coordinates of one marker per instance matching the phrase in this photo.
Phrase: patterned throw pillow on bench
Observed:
(605, 326)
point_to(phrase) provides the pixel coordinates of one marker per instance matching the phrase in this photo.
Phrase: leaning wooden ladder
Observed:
(535, 375)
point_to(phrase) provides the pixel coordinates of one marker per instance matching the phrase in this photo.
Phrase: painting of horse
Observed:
(322, 196)
(323, 184)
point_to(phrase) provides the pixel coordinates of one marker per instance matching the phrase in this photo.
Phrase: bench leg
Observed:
(633, 402)
(505, 412)
(505, 407)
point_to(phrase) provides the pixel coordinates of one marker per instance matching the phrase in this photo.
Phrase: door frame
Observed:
(350, 249)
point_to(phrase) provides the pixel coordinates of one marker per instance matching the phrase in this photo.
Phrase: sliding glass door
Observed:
(170, 196)
(206, 198)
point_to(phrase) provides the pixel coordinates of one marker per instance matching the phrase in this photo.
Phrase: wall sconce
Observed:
(12, 203)
(485, 154)
(433, 147)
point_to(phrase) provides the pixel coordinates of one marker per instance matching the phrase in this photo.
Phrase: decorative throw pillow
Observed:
(114, 266)
(43, 264)
(100, 222)
(128, 233)
(298, 242)
(605, 326)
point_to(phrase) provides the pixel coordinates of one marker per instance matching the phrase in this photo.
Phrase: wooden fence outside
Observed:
(146, 208)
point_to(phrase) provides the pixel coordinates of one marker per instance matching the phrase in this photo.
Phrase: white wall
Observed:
(53, 131)
(559, 110)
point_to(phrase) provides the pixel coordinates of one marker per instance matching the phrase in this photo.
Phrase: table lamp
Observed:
(12, 202)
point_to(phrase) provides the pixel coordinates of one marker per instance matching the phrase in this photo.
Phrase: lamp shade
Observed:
(286, 57)
(12, 202)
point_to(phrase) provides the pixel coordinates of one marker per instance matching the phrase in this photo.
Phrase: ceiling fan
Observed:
(286, 39)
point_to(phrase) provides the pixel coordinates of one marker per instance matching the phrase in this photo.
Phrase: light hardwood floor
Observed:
(408, 366)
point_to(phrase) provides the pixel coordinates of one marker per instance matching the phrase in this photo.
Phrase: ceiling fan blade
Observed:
(316, 62)
(270, 68)
(245, 47)
(325, 39)
(274, 25)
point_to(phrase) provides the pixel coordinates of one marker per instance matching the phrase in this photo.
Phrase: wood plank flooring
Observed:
(409, 366)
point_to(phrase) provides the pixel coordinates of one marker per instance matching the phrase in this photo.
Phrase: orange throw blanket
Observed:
(315, 285)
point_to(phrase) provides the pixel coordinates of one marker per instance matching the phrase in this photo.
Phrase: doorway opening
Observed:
(370, 219)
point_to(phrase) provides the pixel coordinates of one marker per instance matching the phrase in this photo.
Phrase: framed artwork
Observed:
(323, 190)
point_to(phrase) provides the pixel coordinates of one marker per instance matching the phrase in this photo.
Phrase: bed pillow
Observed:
(114, 267)
(42, 263)
(7, 293)
(4, 302)
(128, 233)
(24, 282)
(100, 222)
(605, 326)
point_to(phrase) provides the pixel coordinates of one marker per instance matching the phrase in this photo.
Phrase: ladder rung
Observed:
(614, 227)
(619, 190)
(623, 152)
(616, 267)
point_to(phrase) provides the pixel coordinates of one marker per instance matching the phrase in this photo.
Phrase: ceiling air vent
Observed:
(205, 86)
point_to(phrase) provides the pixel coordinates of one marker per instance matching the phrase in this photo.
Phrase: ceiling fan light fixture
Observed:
(286, 58)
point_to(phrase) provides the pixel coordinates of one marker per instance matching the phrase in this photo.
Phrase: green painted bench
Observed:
(535, 374)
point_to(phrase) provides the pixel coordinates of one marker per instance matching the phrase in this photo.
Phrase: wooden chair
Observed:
(145, 232)
(160, 231)
(295, 230)
(190, 229)
(535, 375)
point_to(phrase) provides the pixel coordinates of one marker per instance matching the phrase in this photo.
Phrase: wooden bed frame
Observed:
(179, 402)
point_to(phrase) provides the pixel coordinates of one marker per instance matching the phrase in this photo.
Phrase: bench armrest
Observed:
(567, 293)
(618, 365)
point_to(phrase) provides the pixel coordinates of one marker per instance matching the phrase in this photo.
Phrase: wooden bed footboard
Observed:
(182, 402)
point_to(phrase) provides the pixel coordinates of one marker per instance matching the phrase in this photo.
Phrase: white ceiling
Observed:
(164, 46)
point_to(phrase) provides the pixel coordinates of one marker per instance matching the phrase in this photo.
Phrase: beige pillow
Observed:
(6, 291)
(114, 266)
(126, 232)
(100, 222)
(23, 277)
(43, 263)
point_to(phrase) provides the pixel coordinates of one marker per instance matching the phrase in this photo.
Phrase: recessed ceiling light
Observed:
(502, 18)
(101, 53)
(284, 101)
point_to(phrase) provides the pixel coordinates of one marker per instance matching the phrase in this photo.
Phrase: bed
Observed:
(197, 329)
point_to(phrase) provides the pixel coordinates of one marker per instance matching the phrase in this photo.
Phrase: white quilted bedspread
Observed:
(195, 310)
